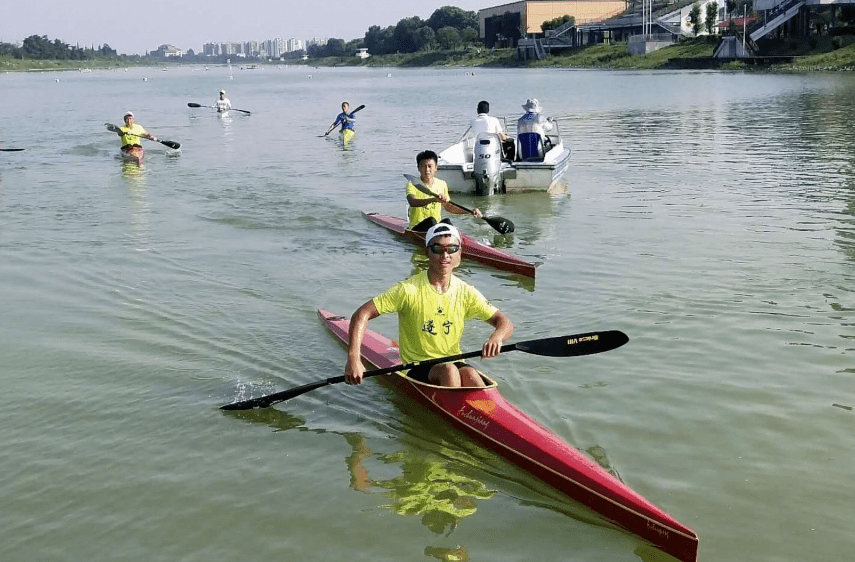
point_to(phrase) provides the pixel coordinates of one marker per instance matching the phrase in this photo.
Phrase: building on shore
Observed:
(501, 25)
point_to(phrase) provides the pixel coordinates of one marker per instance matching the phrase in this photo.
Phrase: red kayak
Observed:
(133, 154)
(483, 414)
(472, 249)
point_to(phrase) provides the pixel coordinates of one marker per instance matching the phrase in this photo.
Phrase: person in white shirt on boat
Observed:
(485, 123)
(223, 104)
(432, 307)
(534, 122)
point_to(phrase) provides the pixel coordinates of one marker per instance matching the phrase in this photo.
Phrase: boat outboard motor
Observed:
(487, 165)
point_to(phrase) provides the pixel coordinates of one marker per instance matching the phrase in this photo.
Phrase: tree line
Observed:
(41, 48)
(448, 27)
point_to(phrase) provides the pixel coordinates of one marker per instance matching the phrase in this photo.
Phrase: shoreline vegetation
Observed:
(790, 55)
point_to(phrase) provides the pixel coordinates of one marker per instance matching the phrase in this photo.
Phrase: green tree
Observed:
(695, 18)
(711, 16)
(468, 35)
(450, 16)
(405, 34)
(425, 38)
(448, 37)
(380, 41)
(557, 22)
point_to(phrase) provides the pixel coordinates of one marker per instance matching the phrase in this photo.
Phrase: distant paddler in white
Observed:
(223, 104)
(530, 123)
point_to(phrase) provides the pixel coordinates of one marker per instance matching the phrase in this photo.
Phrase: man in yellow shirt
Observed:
(131, 133)
(432, 307)
(425, 210)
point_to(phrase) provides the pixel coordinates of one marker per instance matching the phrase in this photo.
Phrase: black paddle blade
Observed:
(112, 128)
(170, 144)
(11, 149)
(357, 109)
(275, 398)
(191, 104)
(573, 345)
(502, 225)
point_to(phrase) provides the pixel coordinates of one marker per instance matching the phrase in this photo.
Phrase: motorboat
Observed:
(483, 165)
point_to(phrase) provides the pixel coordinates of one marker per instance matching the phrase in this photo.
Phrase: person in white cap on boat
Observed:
(131, 133)
(533, 122)
(223, 104)
(432, 307)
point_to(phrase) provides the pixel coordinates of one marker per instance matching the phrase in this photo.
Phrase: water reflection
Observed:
(135, 178)
(428, 486)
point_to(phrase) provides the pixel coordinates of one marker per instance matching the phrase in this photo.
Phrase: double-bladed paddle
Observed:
(502, 225)
(562, 346)
(169, 143)
(349, 115)
(191, 104)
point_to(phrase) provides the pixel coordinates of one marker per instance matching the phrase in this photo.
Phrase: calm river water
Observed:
(710, 216)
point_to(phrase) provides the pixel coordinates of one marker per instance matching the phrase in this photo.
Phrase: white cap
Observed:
(442, 229)
(222, 91)
(128, 114)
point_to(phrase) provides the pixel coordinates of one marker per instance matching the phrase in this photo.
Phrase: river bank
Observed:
(697, 53)
(785, 55)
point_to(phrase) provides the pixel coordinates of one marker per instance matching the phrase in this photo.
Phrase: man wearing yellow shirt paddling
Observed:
(131, 133)
(425, 210)
(432, 307)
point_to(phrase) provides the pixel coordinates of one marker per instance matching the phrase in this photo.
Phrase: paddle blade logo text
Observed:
(573, 341)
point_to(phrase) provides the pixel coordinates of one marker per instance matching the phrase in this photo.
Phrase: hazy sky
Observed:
(134, 27)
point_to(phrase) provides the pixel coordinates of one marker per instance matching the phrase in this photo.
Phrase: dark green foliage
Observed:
(558, 22)
(37, 47)
(448, 27)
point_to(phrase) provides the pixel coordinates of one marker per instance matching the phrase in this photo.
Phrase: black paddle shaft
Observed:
(562, 346)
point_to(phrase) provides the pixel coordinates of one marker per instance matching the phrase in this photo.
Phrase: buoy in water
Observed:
(145, 79)
(57, 79)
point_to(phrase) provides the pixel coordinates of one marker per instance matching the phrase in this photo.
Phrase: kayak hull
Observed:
(472, 249)
(347, 134)
(484, 415)
(133, 154)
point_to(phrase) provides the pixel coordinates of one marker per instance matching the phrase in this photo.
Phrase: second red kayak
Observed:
(472, 249)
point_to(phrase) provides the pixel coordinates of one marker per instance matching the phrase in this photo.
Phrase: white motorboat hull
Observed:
(456, 167)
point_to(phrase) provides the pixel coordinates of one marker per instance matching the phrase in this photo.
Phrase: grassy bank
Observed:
(796, 55)
(9, 64)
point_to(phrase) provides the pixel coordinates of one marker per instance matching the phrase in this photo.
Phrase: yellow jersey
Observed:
(418, 214)
(430, 324)
(131, 134)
